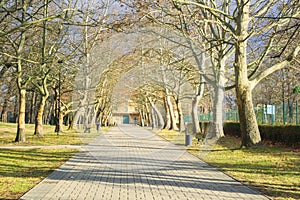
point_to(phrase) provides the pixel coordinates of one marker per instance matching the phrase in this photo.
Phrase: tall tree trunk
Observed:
(148, 115)
(218, 112)
(195, 118)
(180, 115)
(160, 122)
(168, 119)
(171, 112)
(57, 112)
(153, 118)
(78, 113)
(142, 120)
(87, 118)
(70, 118)
(16, 109)
(61, 120)
(3, 116)
(49, 112)
(216, 129)
(39, 117)
(248, 123)
(200, 60)
(93, 120)
(32, 107)
(43, 96)
(94, 116)
(20, 137)
(195, 103)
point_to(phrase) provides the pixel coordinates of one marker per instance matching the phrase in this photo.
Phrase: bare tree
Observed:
(31, 56)
(243, 22)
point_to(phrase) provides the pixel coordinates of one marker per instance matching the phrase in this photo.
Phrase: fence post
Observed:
(262, 114)
(273, 118)
(284, 113)
(235, 115)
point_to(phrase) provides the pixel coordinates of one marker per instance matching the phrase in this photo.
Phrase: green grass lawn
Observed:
(273, 170)
(21, 169)
(67, 137)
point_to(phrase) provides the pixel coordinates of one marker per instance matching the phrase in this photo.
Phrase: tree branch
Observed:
(275, 67)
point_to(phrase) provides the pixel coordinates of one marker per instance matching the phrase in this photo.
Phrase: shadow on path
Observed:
(133, 163)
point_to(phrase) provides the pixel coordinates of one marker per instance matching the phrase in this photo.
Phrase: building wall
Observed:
(126, 113)
(124, 118)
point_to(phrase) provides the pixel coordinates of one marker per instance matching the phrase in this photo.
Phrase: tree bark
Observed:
(4, 108)
(20, 137)
(43, 88)
(160, 122)
(218, 112)
(32, 107)
(153, 117)
(248, 123)
(16, 108)
(180, 116)
(49, 112)
(94, 115)
(61, 120)
(195, 118)
(86, 118)
(217, 124)
(168, 120)
(171, 112)
(195, 103)
(4, 114)
(57, 113)
(39, 117)
(70, 119)
(142, 123)
(78, 113)
(148, 115)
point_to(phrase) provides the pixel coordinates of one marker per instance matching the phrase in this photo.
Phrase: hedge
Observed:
(286, 134)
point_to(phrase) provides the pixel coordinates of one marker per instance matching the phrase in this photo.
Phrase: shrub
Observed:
(232, 128)
(286, 134)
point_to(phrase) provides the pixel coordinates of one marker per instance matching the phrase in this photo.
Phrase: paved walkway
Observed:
(129, 162)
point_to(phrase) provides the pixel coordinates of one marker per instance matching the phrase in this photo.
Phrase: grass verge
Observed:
(67, 137)
(273, 170)
(21, 169)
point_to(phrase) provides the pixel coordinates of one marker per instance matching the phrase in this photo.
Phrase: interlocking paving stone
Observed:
(129, 162)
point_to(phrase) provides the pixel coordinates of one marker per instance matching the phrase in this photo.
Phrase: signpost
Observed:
(271, 111)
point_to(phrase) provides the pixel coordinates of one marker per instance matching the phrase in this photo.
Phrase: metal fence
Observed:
(287, 113)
